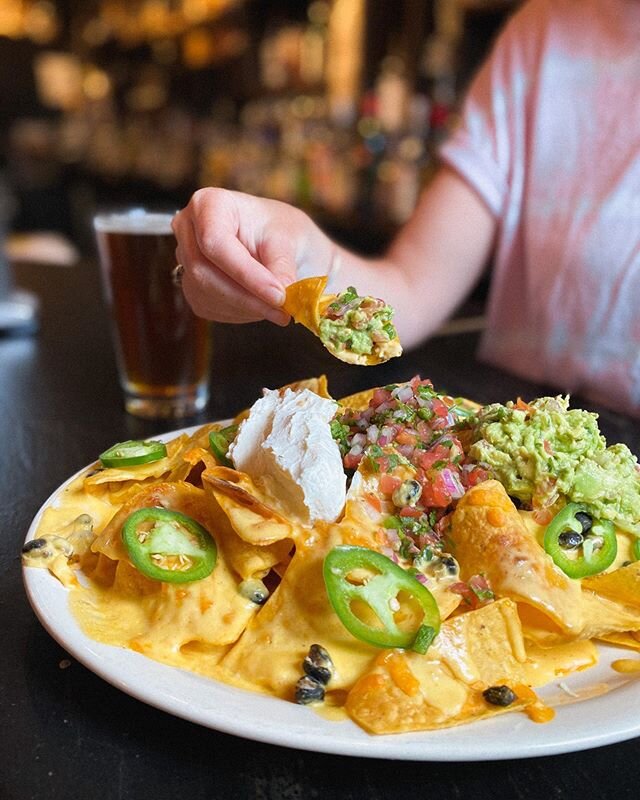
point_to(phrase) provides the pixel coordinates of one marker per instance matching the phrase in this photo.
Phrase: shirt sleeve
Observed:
(488, 146)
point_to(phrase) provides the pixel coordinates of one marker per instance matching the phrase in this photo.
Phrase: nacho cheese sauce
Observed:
(627, 666)
(114, 618)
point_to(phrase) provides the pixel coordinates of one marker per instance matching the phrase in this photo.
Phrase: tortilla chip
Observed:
(491, 539)
(621, 585)
(249, 560)
(317, 385)
(406, 691)
(603, 616)
(247, 510)
(200, 437)
(298, 614)
(629, 639)
(119, 484)
(210, 612)
(358, 401)
(306, 303)
(545, 664)
(176, 496)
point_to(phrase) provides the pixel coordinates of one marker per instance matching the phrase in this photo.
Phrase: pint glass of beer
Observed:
(162, 349)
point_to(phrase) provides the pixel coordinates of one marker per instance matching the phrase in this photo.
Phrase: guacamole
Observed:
(543, 451)
(359, 324)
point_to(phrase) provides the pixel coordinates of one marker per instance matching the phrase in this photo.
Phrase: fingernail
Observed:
(275, 295)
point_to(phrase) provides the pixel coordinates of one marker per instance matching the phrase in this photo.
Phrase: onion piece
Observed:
(452, 483)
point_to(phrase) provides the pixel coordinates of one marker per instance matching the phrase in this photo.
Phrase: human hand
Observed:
(239, 253)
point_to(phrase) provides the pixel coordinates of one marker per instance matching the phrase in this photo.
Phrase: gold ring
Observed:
(176, 274)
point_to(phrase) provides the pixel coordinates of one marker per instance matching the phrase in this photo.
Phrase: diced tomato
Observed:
(440, 409)
(389, 483)
(409, 511)
(475, 592)
(476, 475)
(374, 501)
(428, 458)
(404, 437)
(380, 396)
(479, 584)
(521, 405)
(350, 461)
(383, 463)
(464, 591)
(442, 525)
(434, 493)
(543, 516)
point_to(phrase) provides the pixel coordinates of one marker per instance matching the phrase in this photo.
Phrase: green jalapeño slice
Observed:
(168, 546)
(219, 442)
(133, 452)
(579, 544)
(379, 602)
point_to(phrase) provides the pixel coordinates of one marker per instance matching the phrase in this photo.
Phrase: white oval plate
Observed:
(592, 719)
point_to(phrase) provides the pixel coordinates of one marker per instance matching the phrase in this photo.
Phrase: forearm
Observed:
(431, 265)
(240, 252)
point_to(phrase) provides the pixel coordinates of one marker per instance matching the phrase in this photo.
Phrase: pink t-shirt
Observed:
(550, 139)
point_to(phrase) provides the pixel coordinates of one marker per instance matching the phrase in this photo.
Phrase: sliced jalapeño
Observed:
(219, 442)
(579, 544)
(168, 546)
(133, 452)
(365, 581)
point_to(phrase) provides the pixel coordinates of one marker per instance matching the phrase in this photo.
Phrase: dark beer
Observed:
(163, 349)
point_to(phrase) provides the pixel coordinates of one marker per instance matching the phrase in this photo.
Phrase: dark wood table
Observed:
(68, 734)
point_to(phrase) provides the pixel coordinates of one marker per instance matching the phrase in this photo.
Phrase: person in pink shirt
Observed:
(542, 176)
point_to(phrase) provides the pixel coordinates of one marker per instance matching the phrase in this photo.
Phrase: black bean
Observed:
(318, 664)
(309, 690)
(499, 695)
(585, 520)
(34, 544)
(254, 590)
(450, 564)
(570, 540)
(407, 494)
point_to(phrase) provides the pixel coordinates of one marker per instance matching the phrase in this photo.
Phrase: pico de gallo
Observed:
(412, 424)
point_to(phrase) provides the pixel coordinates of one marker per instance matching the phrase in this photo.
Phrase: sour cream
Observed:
(286, 445)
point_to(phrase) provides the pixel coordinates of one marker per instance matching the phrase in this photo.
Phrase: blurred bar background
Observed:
(337, 106)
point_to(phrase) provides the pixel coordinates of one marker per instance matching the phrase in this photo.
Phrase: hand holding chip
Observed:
(240, 252)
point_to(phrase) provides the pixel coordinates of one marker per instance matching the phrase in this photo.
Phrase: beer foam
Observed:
(136, 221)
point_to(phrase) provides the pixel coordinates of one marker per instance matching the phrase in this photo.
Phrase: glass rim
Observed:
(136, 220)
